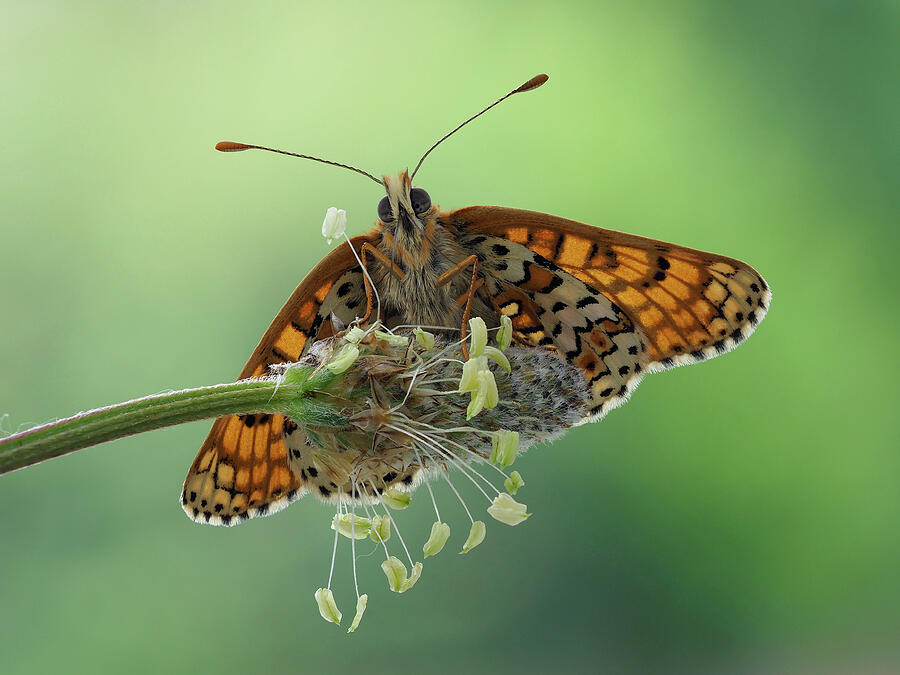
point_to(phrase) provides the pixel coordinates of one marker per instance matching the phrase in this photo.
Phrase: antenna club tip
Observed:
(231, 146)
(533, 83)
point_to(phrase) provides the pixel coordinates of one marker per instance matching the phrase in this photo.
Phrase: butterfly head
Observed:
(404, 210)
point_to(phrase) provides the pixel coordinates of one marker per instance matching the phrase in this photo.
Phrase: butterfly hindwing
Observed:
(552, 309)
(684, 305)
(243, 468)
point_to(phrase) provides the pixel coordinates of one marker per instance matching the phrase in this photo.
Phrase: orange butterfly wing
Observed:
(243, 469)
(686, 305)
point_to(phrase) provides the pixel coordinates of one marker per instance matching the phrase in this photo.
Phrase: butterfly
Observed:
(616, 306)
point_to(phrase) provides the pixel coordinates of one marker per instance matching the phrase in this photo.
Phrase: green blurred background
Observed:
(738, 516)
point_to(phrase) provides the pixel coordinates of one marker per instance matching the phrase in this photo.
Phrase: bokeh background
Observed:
(739, 516)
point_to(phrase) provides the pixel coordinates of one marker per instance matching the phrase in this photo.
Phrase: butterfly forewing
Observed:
(243, 468)
(615, 305)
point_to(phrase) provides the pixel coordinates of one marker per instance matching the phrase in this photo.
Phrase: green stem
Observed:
(153, 412)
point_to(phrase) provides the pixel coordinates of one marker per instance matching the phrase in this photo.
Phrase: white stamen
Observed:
(353, 544)
(393, 524)
(464, 448)
(458, 496)
(334, 550)
(377, 533)
(366, 272)
(427, 484)
(449, 455)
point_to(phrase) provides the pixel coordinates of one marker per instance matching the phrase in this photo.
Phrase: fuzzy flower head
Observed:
(397, 411)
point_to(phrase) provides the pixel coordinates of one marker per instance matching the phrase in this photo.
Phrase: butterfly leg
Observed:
(447, 276)
(384, 260)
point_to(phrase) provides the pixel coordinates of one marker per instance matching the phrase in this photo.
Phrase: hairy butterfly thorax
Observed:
(421, 247)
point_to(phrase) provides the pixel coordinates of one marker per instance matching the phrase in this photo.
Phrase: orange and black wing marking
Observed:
(243, 469)
(615, 304)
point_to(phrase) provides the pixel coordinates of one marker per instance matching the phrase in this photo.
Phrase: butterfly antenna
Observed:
(533, 83)
(231, 146)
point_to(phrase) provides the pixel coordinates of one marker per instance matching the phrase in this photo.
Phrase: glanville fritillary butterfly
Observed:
(613, 305)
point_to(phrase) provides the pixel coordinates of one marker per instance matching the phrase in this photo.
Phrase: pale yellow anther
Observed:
(469, 380)
(354, 335)
(395, 571)
(413, 578)
(504, 333)
(381, 529)
(497, 356)
(352, 526)
(504, 447)
(391, 339)
(424, 338)
(335, 224)
(360, 610)
(327, 607)
(397, 499)
(476, 536)
(507, 510)
(440, 532)
(344, 359)
(479, 336)
(514, 482)
(485, 396)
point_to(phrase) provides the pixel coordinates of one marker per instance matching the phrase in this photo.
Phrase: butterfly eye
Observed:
(384, 210)
(420, 200)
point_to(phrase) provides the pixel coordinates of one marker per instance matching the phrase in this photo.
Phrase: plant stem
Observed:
(150, 412)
